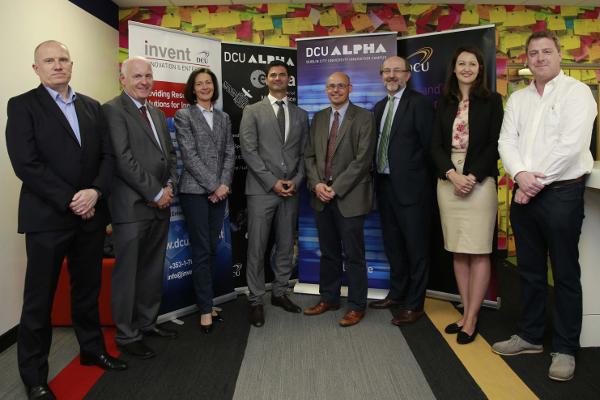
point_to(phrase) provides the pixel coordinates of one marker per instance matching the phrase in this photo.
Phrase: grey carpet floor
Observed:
(63, 350)
(296, 357)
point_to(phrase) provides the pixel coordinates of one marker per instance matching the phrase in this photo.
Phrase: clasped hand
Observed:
(83, 203)
(463, 184)
(324, 193)
(219, 194)
(280, 188)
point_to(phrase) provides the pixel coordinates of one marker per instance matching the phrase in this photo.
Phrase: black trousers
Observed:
(45, 254)
(342, 244)
(204, 221)
(406, 235)
(550, 224)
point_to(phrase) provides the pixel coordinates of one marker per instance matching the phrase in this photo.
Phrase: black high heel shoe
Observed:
(465, 338)
(216, 316)
(453, 328)
(206, 328)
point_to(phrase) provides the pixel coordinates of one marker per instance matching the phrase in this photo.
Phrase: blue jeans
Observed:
(204, 220)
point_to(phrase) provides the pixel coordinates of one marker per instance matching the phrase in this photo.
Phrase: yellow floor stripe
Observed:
(495, 378)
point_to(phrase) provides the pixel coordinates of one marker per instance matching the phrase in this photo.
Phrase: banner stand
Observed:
(378, 294)
(182, 312)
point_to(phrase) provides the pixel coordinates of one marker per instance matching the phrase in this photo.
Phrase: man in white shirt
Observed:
(544, 145)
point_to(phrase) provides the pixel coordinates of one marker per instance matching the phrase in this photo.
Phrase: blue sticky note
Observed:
(569, 23)
(278, 24)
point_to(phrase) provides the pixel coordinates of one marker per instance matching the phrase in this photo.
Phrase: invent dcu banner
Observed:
(174, 55)
(429, 56)
(244, 82)
(359, 56)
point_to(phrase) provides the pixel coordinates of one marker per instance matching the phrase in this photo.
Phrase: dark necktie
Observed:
(143, 112)
(331, 146)
(281, 119)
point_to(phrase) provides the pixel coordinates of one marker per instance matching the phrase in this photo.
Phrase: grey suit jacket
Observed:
(262, 148)
(143, 169)
(208, 155)
(352, 159)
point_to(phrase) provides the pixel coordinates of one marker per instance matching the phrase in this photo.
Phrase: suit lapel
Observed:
(198, 118)
(345, 127)
(324, 127)
(402, 106)
(156, 120)
(270, 114)
(48, 103)
(84, 122)
(136, 114)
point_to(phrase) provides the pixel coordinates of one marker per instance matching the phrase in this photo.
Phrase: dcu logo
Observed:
(202, 57)
(422, 57)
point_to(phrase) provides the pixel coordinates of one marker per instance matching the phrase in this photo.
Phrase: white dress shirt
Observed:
(285, 100)
(549, 133)
(207, 114)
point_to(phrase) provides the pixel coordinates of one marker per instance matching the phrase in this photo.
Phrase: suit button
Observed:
(162, 159)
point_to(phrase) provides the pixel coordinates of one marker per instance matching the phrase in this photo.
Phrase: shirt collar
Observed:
(342, 110)
(137, 103)
(272, 99)
(71, 96)
(550, 85)
(398, 95)
(205, 109)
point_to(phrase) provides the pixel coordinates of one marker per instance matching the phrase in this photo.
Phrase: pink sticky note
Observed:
(397, 24)
(447, 21)
(344, 9)
(501, 65)
(244, 30)
(539, 26)
(375, 20)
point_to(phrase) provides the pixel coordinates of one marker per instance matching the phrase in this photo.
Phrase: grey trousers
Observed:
(262, 209)
(137, 278)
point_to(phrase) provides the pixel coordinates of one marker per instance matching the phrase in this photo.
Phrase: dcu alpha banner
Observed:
(174, 55)
(244, 82)
(429, 56)
(359, 56)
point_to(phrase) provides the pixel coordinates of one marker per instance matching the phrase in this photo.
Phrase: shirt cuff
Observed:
(159, 195)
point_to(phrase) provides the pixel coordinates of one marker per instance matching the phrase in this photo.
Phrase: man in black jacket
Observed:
(59, 148)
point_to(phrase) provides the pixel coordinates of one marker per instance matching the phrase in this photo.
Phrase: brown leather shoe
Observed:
(321, 308)
(383, 304)
(407, 317)
(351, 317)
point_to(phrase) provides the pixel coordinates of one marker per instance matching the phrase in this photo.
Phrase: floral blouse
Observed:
(460, 128)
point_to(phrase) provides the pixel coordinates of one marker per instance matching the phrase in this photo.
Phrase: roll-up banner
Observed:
(429, 56)
(244, 83)
(359, 56)
(174, 55)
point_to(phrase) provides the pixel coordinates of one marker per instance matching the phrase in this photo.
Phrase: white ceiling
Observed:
(138, 3)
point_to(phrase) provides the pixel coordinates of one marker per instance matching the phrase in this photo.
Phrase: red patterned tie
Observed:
(331, 145)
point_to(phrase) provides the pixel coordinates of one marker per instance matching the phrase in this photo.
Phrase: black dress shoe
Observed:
(464, 338)
(453, 328)
(257, 315)
(137, 349)
(285, 303)
(103, 361)
(384, 304)
(40, 392)
(207, 328)
(160, 332)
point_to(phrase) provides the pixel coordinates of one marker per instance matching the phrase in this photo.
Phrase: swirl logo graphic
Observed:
(422, 57)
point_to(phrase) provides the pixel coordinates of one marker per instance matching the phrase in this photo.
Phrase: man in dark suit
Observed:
(60, 149)
(339, 157)
(142, 192)
(272, 137)
(404, 189)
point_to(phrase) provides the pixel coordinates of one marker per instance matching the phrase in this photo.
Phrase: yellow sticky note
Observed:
(502, 86)
(361, 22)
(127, 12)
(337, 30)
(200, 16)
(575, 73)
(360, 8)
(568, 11)
(277, 9)
(588, 75)
(404, 8)
(290, 26)
(170, 21)
(469, 17)
(580, 27)
(520, 18)
(556, 23)
(262, 22)
(418, 9)
(277, 40)
(511, 41)
(123, 54)
(305, 24)
(329, 18)
(570, 42)
(256, 38)
(594, 53)
(497, 15)
(230, 18)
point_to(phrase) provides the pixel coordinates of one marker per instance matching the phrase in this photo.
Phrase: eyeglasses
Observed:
(387, 71)
(333, 86)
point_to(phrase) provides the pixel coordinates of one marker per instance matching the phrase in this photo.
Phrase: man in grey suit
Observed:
(272, 136)
(141, 195)
(339, 156)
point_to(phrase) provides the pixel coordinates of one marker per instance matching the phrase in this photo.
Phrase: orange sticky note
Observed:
(483, 11)
(337, 30)
(594, 53)
(185, 13)
(397, 23)
(361, 22)
(502, 86)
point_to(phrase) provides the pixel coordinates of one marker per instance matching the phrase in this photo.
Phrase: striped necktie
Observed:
(382, 154)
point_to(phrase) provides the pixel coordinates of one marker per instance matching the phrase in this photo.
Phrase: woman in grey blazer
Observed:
(207, 151)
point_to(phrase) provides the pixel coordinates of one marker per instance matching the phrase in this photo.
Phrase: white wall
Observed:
(94, 49)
